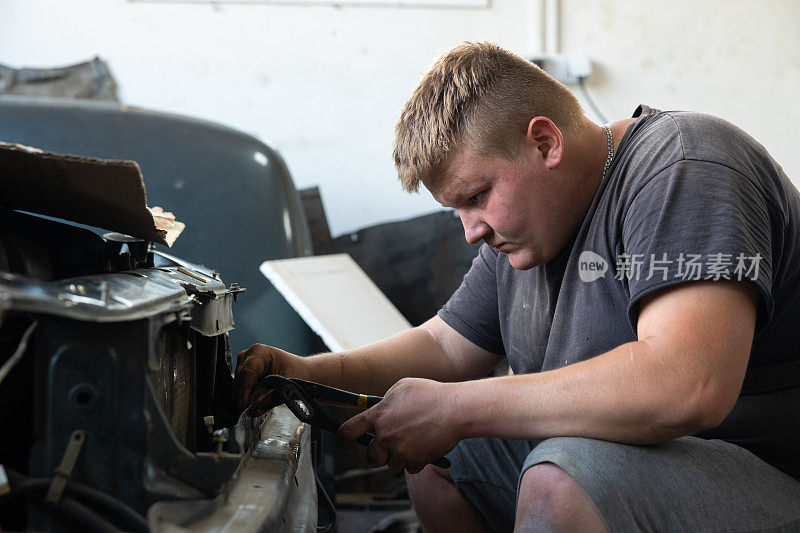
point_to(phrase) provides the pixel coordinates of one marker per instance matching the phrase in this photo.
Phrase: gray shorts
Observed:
(687, 484)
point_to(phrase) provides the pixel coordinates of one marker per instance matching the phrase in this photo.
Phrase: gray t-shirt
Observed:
(688, 197)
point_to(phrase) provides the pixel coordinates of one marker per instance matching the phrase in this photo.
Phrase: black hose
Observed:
(80, 514)
(68, 506)
(98, 498)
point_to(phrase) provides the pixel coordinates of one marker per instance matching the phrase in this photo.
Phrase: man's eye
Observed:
(476, 198)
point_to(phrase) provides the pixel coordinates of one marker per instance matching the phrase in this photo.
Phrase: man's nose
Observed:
(475, 229)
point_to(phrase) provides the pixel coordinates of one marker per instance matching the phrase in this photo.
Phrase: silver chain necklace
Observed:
(610, 151)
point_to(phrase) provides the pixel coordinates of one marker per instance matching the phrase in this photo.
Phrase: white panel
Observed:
(336, 299)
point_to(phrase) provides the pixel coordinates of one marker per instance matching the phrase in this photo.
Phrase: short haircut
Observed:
(479, 96)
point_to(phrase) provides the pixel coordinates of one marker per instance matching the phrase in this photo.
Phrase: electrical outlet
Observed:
(566, 68)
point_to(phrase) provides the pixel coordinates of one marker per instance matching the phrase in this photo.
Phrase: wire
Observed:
(326, 502)
(18, 353)
(595, 109)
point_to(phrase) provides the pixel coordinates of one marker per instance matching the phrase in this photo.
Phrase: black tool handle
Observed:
(366, 439)
(324, 392)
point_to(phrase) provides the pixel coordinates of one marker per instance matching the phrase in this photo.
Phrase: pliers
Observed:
(301, 396)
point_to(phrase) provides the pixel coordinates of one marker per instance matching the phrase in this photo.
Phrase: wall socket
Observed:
(566, 68)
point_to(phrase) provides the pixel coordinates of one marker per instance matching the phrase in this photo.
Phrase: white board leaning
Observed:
(336, 299)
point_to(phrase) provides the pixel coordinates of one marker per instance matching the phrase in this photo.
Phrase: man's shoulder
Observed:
(695, 136)
(684, 143)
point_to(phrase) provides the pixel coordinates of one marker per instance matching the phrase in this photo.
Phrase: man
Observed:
(641, 278)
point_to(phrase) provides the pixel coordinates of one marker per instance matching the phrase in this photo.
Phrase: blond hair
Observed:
(479, 95)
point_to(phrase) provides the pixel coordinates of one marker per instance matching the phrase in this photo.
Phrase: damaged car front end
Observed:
(116, 374)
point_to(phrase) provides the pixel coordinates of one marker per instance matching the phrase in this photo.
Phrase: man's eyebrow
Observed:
(473, 190)
(456, 195)
(452, 198)
(448, 196)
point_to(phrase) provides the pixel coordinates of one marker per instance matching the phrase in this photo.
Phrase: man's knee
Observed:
(549, 499)
(438, 504)
(543, 492)
(430, 484)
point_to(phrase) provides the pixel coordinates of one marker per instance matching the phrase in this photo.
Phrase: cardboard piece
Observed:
(336, 299)
(106, 193)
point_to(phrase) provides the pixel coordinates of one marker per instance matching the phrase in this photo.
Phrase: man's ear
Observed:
(545, 136)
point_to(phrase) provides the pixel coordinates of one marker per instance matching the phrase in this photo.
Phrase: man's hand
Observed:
(261, 360)
(412, 425)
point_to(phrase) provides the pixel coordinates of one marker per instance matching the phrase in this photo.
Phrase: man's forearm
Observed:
(625, 395)
(683, 375)
(373, 369)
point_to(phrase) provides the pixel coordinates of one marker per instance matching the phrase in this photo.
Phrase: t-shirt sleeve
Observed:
(472, 310)
(696, 220)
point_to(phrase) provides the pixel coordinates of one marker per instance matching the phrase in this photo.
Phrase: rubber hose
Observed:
(88, 494)
(80, 514)
(96, 497)
(71, 508)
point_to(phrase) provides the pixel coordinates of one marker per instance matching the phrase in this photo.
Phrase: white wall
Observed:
(737, 59)
(325, 84)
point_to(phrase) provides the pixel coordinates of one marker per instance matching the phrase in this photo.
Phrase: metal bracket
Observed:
(64, 470)
(235, 289)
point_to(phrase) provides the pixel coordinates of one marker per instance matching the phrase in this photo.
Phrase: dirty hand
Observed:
(260, 360)
(412, 425)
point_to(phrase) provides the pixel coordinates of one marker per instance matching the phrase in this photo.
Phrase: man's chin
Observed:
(522, 260)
